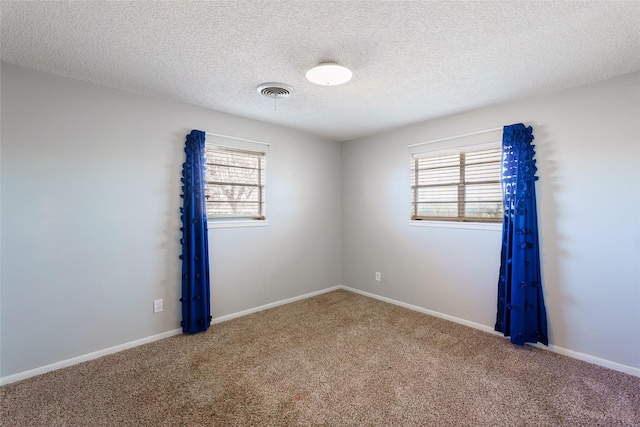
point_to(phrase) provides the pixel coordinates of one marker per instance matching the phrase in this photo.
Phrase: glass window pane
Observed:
(483, 210)
(438, 209)
(231, 209)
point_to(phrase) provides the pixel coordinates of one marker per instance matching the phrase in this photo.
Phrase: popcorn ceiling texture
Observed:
(411, 60)
(338, 359)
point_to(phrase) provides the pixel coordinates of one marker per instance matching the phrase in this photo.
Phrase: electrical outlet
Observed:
(378, 277)
(157, 306)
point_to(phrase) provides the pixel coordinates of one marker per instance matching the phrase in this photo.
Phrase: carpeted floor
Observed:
(338, 359)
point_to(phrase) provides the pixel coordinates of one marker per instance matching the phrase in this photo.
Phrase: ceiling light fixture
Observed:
(329, 74)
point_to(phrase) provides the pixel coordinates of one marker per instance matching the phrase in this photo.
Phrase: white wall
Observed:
(90, 224)
(89, 219)
(588, 151)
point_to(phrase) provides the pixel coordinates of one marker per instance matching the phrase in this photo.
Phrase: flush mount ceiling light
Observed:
(329, 74)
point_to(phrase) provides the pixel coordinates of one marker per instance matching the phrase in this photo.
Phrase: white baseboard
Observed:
(85, 357)
(273, 304)
(591, 359)
(554, 348)
(75, 360)
(423, 310)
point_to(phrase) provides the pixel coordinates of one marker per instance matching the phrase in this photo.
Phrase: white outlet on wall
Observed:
(378, 277)
(157, 306)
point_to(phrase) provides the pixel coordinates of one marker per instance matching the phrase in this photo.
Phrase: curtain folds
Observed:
(196, 310)
(521, 310)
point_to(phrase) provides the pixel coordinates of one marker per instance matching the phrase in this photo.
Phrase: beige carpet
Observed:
(338, 359)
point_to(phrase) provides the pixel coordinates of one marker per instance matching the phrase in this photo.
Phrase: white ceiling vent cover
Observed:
(275, 90)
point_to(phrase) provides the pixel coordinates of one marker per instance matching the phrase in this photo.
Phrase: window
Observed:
(459, 186)
(235, 183)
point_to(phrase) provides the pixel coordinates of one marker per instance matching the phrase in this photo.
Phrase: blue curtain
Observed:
(521, 311)
(196, 310)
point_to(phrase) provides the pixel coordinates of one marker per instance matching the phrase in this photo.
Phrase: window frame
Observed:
(458, 221)
(227, 221)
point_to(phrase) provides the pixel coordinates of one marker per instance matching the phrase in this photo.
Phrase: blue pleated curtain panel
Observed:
(521, 312)
(196, 309)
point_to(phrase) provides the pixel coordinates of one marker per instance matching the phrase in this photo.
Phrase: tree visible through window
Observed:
(461, 186)
(235, 183)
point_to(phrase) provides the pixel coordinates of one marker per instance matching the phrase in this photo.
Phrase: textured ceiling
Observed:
(411, 61)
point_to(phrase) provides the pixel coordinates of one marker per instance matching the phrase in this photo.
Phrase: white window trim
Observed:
(487, 226)
(225, 223)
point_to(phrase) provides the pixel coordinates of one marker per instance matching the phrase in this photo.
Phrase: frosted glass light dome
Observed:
(329, 74)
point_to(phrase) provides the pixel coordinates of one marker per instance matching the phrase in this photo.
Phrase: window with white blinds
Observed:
(463, 186)
(235, 183)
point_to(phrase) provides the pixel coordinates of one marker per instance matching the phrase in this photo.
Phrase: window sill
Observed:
(236, 224)
(495, 226)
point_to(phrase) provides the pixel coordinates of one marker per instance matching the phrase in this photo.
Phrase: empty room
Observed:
(362, 213)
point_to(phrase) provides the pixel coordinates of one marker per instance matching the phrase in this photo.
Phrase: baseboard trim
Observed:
(273, 304)
(553, 348)
(94, 355)
(85, 357)
(590, 359)
(424, 310)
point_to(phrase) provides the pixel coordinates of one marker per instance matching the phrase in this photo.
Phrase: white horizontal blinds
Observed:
(463, 186)
(436, 182)
(483, 187)
(235, 183)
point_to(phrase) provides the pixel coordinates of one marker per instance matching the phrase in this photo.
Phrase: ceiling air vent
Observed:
(275, 90)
